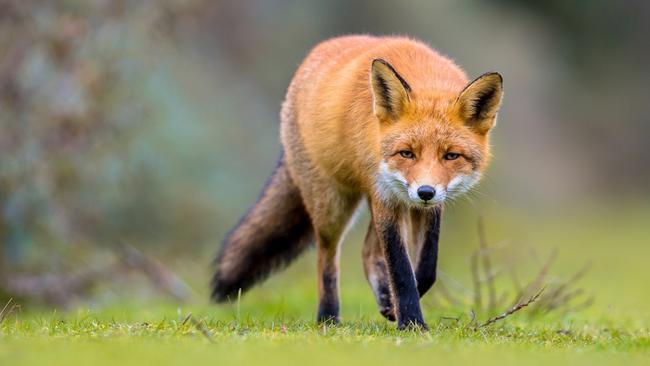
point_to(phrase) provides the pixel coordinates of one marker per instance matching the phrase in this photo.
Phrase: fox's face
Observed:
(433, 147)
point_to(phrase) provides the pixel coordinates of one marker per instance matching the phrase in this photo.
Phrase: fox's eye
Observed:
(407, 154)
(451, 156)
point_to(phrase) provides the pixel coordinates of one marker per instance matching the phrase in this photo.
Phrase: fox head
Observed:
(433, 145)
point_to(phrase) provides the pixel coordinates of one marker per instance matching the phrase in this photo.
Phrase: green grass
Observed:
(103, 338)
(273, 325)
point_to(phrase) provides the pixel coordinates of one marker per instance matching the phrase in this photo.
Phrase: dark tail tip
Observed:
(223, 290)
(275, 231)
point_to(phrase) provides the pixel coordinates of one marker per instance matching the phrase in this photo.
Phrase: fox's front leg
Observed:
(376, 269)
(402, 279)
(425, 272)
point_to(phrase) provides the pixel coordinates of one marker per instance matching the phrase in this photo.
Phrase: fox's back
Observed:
(329, 105)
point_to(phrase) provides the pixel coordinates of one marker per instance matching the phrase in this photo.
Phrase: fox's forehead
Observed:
(430, 104)
(432, 113)
(428, 132)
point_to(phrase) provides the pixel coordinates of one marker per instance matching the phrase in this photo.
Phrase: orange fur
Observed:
(330, 106)
(386, 119)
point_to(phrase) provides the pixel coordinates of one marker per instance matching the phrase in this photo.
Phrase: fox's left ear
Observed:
(479, 102)
(390, 91)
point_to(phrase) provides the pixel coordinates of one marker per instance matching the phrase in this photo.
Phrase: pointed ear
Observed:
(479, 102)
(390, 92)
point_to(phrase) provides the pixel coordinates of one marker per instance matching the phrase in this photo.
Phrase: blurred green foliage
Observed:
(155, 123)
(79, 159)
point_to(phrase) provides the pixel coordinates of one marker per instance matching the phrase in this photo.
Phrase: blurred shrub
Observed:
(156, 121)
(72, 165)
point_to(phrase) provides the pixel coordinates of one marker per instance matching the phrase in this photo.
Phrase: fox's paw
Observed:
(385, 303)
(328, 319)
(388, 312)
(413, 325)
(328, 313)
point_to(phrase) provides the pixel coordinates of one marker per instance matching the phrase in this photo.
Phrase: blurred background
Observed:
(133, 134)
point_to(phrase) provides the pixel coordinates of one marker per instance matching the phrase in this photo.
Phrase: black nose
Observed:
(426, 192)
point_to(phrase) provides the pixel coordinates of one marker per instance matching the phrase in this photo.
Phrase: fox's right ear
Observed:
(390, 92)
(479, 102)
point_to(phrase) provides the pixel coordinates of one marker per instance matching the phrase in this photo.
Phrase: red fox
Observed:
(387, 120)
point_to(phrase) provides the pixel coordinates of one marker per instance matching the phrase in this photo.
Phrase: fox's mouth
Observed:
(439, 196)
(429, 204)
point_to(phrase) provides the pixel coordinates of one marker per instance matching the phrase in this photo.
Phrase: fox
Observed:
(385, 120)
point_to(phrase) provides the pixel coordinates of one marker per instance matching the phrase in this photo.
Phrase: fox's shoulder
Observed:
(368, 40)
(366, 43)
(413, 58)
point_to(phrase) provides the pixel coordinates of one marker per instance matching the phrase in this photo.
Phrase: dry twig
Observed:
(164, 279)
(4, 313)
(202, 328)
(186, 319)
(476, 280)
(560, 295)
(63, 289)
(472, 320)
(199, 326)
(539, 278)
(487, 264)
(512, 310)
(451, 299)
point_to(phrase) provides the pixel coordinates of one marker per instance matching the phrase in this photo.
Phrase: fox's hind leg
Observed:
(330, 209)
(330, 225)
(376, 269)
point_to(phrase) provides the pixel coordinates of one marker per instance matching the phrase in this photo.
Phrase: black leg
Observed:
(425, 272)
(383, 295)
(406, 298)
(374, 265)
(328, 271)
(328, 306)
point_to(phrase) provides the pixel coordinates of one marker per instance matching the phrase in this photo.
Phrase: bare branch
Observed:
(164, 279)
(512, 310)
(4, 313)
(472, 320)
(513, 272)
(539, 279)
(487, 264)
(186, 319)
(445, 293)
(558, 296)
(476, 280)
(454, 284)
(202, 328)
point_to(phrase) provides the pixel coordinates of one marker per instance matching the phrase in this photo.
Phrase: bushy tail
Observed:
(271, 234)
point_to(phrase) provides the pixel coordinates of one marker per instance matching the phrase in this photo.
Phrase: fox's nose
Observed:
(426, 192)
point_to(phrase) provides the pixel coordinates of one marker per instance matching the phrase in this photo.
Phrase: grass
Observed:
(273, 324)
(100, 338)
